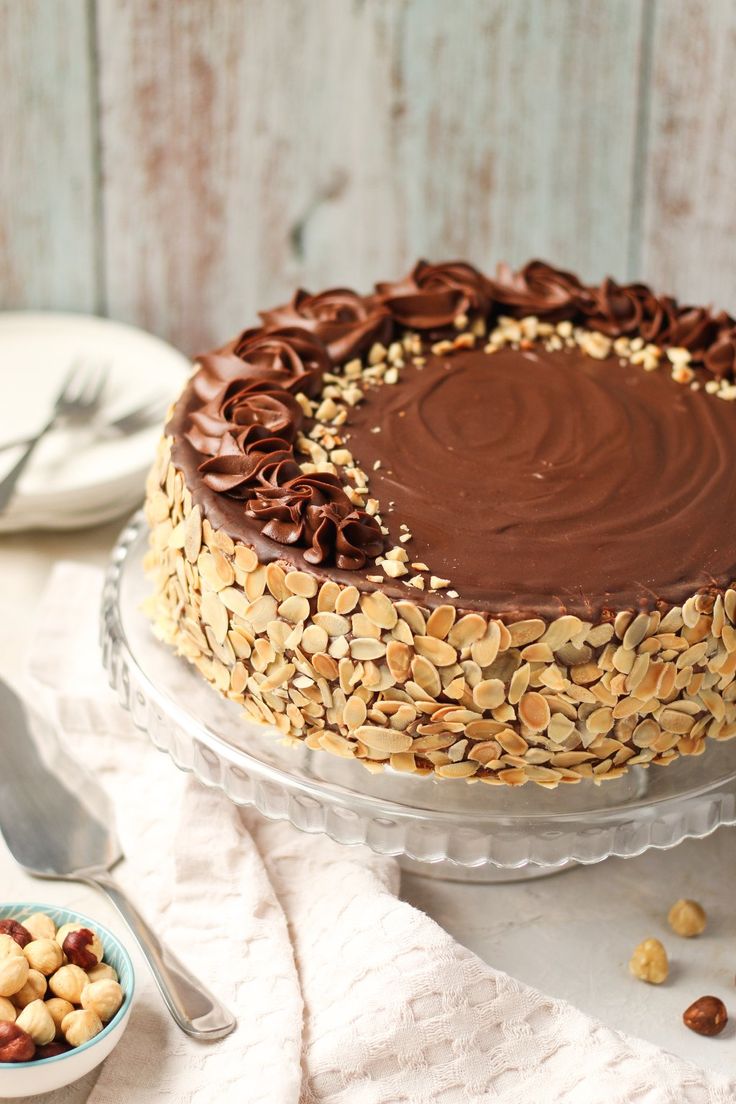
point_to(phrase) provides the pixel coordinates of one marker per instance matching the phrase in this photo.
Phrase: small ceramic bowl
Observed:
(31, 1078)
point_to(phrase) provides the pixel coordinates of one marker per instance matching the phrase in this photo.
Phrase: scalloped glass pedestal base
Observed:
(442, 828)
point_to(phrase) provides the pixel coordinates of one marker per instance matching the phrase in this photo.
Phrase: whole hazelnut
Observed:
(687, 918)
(40, 925)
(83, 948)
(103, 970)
(68, 983)
(58, 1008)
(13, 974)
(8, 1011)
(44, 955)
(16, 1045)
(36, 1020)
(104, 997)
(16, 931)
(9, 948)
(51, 1050)
(34, 989)
(81, 1026)
(92, 940)
(706, 1015)
(649, 962)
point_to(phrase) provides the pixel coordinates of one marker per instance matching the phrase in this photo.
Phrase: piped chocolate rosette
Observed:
(466, 526)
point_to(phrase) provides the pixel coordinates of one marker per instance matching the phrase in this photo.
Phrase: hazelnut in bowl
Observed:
(66, 990)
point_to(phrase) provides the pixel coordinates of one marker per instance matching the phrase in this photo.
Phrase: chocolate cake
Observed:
(463, 526)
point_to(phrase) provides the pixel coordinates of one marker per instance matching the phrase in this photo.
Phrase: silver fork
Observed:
(140, 417)
(77, 401)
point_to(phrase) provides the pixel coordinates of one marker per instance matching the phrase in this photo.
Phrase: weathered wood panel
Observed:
(47, 173)
(689, 222)
(245, 149)
(250, 144)
(520, 129)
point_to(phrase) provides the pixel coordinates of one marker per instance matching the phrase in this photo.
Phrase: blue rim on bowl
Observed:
(115, 955)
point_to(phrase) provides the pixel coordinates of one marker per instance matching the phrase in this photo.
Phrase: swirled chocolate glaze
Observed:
(536, 481)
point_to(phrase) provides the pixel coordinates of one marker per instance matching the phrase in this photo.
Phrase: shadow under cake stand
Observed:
(439, 828)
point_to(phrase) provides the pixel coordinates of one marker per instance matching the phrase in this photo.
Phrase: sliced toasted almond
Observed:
(485, 650)
(398, 658)
(354, 713)
(467, 630)
(294, 609)
(426, 675)
(193, 534)
(314, 639)
(299, 582)
(525, 632)
(439, 652)
(379, 609)
(347, 600)
(561, 631)
(440, 621)
(334, 624)
(234, 600)
(534, 711)
(383, 739)
(457, 770)
(246, 558)
(489, 693)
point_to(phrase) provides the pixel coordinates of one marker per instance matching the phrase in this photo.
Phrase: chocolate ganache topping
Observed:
(432, 296)
(289, 357)
(313, 510)
(348, 323)
(534, 478)
(539, 289)
(720, 358)
(629, 309)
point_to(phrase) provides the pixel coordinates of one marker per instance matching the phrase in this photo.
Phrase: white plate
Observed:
(75, 477)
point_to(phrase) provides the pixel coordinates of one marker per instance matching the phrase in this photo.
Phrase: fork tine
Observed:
(64, 393)
(95, 385)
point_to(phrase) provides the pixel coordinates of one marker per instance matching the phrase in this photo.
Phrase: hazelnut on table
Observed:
(706, 1016)
(687, 918)
(649, 962)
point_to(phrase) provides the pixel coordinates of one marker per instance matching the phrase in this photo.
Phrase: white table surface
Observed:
(569, 935)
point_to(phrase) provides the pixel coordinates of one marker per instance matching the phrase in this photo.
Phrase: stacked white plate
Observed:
(84, 475)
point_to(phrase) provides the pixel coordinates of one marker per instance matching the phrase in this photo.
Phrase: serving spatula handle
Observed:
(194, 1008)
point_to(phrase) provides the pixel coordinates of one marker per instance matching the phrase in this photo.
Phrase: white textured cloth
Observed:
(344, 994)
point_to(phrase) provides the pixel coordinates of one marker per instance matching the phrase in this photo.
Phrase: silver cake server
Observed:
(59, 823)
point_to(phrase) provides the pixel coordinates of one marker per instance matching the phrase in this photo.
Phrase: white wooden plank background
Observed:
(48, 231)
(689, 235)
(179, 165)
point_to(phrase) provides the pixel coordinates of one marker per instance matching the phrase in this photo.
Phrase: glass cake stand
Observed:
(442, 828)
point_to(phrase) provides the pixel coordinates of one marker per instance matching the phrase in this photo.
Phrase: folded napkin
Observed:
(344, 993)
